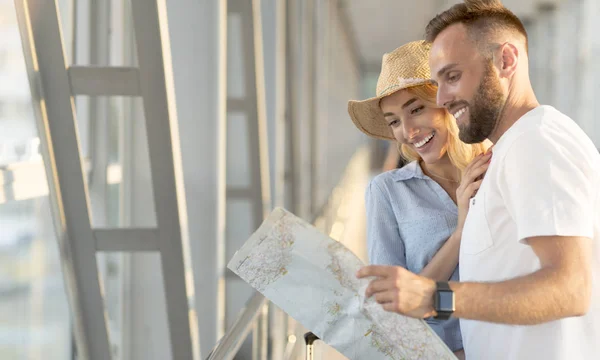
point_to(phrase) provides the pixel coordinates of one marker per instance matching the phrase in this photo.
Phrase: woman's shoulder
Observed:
(395, 178)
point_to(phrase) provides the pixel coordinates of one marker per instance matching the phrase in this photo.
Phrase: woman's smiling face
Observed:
(418, 124)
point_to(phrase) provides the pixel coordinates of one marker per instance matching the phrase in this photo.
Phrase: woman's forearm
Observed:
(444, 262)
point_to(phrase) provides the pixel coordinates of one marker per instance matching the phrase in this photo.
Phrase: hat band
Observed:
(403, 83)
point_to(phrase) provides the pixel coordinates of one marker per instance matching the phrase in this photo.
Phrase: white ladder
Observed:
(54, 84)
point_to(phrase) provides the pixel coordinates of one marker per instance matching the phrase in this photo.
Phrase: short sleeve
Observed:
(548, 185)
(383, 238)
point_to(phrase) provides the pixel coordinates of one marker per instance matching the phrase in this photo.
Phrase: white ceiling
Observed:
(379, 26)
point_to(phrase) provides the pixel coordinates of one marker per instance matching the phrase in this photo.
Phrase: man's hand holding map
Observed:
(313, 279)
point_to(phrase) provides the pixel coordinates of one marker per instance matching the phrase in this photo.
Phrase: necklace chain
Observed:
(441, 177)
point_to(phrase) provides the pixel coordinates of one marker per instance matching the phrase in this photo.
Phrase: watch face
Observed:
(445, 301)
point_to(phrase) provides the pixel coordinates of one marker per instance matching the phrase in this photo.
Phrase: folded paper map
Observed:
(312, 278)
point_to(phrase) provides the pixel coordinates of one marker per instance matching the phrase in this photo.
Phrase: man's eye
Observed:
(453, 77)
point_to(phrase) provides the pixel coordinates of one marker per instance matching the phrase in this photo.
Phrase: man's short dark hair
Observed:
(483, 19)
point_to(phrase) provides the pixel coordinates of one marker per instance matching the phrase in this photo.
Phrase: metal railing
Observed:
(231, 342)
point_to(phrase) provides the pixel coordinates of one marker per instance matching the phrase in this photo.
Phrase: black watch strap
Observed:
(443, 315)
(443, 310)
(443, 285)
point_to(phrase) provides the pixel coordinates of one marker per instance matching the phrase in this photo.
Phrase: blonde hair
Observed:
(460, 154)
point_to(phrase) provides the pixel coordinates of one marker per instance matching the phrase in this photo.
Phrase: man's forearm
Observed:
(543, 296)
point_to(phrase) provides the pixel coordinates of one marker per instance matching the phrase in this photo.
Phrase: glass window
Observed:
(34, 313)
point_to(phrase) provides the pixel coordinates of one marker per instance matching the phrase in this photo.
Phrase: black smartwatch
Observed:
(443, 301)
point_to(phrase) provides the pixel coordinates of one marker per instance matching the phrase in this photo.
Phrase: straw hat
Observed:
(405, 67)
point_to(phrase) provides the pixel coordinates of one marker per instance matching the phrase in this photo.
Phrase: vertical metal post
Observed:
(311, 73)
(260, 335)
(99, 15)
(292, 153)
(280, 96)
(250, 108)
(156, 84)
(222, 168)
(198, 28)
(278, 321)
(261, 108)
(128, 159)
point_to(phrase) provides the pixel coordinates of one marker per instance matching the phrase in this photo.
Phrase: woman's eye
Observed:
(394, 123)
(417, 110)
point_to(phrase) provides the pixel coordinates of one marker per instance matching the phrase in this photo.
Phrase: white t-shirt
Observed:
(543, 180)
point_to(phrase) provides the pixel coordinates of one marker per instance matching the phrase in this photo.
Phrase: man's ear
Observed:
(508, 60)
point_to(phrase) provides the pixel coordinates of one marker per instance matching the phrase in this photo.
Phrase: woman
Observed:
(415, 214)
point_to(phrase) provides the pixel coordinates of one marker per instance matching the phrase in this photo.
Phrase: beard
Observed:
(485, 109)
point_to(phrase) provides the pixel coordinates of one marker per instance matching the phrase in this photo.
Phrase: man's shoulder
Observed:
(544, 129)
(544, 122)
(548, 142)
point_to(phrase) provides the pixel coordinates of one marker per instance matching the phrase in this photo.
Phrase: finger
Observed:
(490, 157)
(472, 162)
(475, 171)
(471, 190)
(385, 297)
(480, 161)
(379, 285)
(430, 314)
(481, 158)
(479, 171)
(391, 307)
(375, 270)
(394, 306)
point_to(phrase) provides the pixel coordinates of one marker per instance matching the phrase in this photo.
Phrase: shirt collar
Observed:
(532, 118)
(408, 171)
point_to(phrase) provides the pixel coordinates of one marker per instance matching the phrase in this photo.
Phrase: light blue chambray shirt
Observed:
(409, 217)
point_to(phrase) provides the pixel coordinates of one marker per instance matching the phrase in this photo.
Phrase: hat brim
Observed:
(368, 117)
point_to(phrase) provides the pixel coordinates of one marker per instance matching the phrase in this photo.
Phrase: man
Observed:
(530, 248)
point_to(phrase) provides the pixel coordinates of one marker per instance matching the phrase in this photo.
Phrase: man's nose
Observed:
(443, 96)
